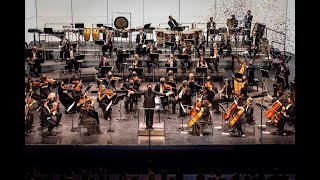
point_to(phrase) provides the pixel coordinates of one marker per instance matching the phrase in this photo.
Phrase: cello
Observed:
(195, 118)
(197, 104)
(230, 110)
(236, 117)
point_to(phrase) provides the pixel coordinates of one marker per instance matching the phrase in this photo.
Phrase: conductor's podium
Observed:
(158, 129)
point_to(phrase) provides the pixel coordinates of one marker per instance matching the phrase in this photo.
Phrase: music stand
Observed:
(139, 70)
(174, 69)
(178, 28)
(105, 69)
(147, 41)
(182, 117)
(202, 71)
(119, 99)
(99, 25)
(79, 25)
(264, 74)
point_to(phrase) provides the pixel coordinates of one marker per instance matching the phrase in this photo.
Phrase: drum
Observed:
(95, 34)
(86, 34)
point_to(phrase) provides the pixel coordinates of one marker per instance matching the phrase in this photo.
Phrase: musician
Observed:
(245, 117)
(149, 102)
(70, 56)
(186, 50)
(251, 69)
(52, 101)
(247, 23)
(45, 86)
(46, 116)
(140, 42)
(87, 112)
(202, 62)
(197, 127)
(224, 96)
(103, 62)
(184, 96)
(254, 45)
(284, 72)
(107, 44)
(209, 90)
(287, 115)
(172, 23)
(211, 26)
(28, 115)
(152, 60)
(232, 24)
(105, 97)
(225, 44)
(214, 53)
(171, 62)
(120, 59)
(88, 103)
(76, 91)
(136, 61)
(199, 43)
(64, 46)
(35, 65)
(129, 98)
(163, 87)
(65, 99)
(135, 79)
(171, 77)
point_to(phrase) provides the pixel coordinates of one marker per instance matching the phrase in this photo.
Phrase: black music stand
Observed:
(170, 44)
(264, 74)
(147, 41)
(139, 70)
(105, 69)
(174, 69)
(119, 99)
(202, 71)
(189, 41)
(79, 25)
(99, 25)
(182, 117)
(178, 28)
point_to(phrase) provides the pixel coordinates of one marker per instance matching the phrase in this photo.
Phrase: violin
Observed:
(135, 78)
(167, 86)
(78, 86)
(109, 93)
(55, 106)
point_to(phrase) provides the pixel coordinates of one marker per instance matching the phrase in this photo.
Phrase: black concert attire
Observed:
(149, 102)
(288, 116)
(199, 44)
(129, 98)
(227, 91)
(120, 59)
(246, 117)
(209, 95)
(247, 25)
(166, 100)
(58, 114)
(28, 120)
(102, 74)
(71, 62)
(215, 61)
(35, 66)
(185, 100)
(45, 89)
(197, 127)
(76, 95)
(211, 26)
(225, 44)
(188, 61)
(254, 42)
(233, 31)
(251, 68)
(173, 23)
(104, 103)
(140, 41)
(65, 99)
(107, 46)
(46, 118)
(90, 118)
(64, 46)
(171, 63)
(152, 60)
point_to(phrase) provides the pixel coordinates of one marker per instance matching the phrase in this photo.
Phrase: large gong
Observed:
(121, 22)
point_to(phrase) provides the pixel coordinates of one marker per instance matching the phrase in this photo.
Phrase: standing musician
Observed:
(64, 46)
(211, 26)
(232, 24)
(184, 96)
(120, 59)
(247, 23)
(202, 120)
(105, 97)
(172, 22)
(224, 96)
(214, 53)
(149, 102)
(245, 117)
(199, 43)
(53, 104)
(70, 56)
(129, 98)
(140, 41)
(107, 37)
(46, 116)
(171, 62)
(285, 115)
(163, 87)
(35, 66)
(65, 99)
(254, 45)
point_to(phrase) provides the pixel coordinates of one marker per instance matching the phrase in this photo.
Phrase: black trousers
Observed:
(128, 104)
(281, 123)
(106, 114)
(105, 49)
(255, 51)
(92, 113)
(149, 117)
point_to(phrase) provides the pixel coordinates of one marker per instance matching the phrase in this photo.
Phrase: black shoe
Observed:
(232, 131)
(151, 127)
(146, 128)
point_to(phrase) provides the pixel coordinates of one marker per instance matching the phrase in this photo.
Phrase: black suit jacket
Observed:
(257, 40)
(38, 54)
(174, 24)
(67, 55)
(149, 98)
(138, 38)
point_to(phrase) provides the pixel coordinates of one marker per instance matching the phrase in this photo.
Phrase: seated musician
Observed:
(64, 46)
(140, 49)
(199, 43)
(103, 62)
(70, 56)
(251, 68)
(89, 117)
(107, 43)
(46, 116)
(203, 64)
(65, 99)
(105, 97)
(214, 53)
(225, 44)
(53, 104)
(191, 83)
(28, 115)
(77, 89)
(35, 65)
(163, 87)
(172, 22)
(184, 96)
(232, 24)
(285, 115)
(171, 77)
(186, 50)
(197, 127)
(45, 86)
(88, 103)
(245, 117)
(225, 95)
(120, 59)
(32, 87)
(136, 80)
(254, 45)
(209, 90)
(171, 62)
(136, 61)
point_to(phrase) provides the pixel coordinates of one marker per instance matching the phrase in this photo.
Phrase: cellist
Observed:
(201, 118)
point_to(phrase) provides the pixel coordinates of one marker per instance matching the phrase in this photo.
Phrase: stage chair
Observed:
(249, 124)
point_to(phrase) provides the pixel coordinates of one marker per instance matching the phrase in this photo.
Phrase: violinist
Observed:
(171, 62)
(87, 103)
(46, 116)
(184, 96)
(45, 85)
(245, 117)
(76, 91)
(204, 117)
(65, 99)
(53, 104)
(105, 97)
(103, 62)
(164, 87)
(136, 80)
(191, 83)
(129, 98)
(286, 115)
